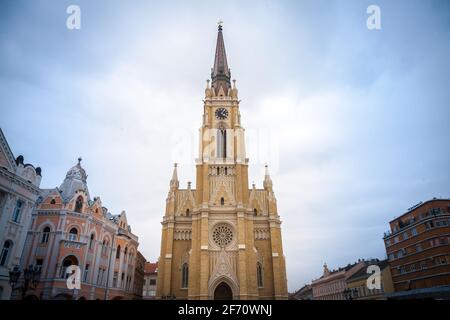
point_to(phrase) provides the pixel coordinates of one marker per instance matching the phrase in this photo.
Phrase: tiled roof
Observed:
(151, 267)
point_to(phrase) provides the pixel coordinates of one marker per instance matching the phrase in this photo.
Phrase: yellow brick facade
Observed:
(221, 240)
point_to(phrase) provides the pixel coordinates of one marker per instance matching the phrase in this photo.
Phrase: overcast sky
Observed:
(354, 124)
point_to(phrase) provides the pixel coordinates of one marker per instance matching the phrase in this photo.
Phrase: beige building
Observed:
(332, 285)
(357, 288)
(221, 240)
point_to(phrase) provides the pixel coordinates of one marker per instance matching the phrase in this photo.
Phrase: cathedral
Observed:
(221, 240)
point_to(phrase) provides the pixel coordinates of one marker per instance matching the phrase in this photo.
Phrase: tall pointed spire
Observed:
(174, 183)
(267, 180)
(220, 73)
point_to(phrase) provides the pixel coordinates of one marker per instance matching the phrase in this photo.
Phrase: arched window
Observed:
(104, 247)
(73, 234)
(67, 262)
(259, 274)
(187, 212)
(125, 253)
(118, 252)
(255, 212)
(185, 275)
(91, 242)
(53, 201)
(221, 143)
(79, 204)
(17, 213)
(7, 246)
(222, 201)
(45, 235)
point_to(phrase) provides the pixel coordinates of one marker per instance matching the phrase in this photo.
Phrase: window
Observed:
(400, 254)
(53, 201)
(45, 235)
(99, 274)
(67, 262)
(86, 273)
(17, 211)
(7, 246)
(222, 201)
(91, 242)
(388, 242)
(79, 204)
(405, 235)
(73, 234)
(221, 143)
(39, 263)
(418, 247)
(116, 275)
(259, 274)
(152, 282)
(414, 232)
(104, 247)
(187, 212)
(391, 256)
(184, 275)
(396, 239)
(118, 252)
(255, 212)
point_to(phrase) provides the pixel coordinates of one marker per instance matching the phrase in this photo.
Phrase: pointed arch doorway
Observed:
(223, 292)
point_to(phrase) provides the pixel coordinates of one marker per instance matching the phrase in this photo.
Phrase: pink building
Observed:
(68, 227)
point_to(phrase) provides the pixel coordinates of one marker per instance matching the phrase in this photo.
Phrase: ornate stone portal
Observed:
(221, 240)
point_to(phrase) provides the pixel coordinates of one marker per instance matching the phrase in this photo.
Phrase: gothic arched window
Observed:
(184, 275)
(221, 143)
(222, 201)
(79, 204)
(187, 212)
(45, 235)
(259, 274)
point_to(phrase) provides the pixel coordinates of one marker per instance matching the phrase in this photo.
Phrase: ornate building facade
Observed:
(19, 190)
(68, 227)
(221, 240)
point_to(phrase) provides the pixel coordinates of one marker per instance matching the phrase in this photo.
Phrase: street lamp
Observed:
(31, 276)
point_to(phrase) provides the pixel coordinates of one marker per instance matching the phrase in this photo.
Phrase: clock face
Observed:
(221, 113)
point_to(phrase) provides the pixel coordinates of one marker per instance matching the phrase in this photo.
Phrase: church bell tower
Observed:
(221, 240)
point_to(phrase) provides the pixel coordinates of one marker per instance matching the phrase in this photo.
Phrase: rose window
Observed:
(222, 235)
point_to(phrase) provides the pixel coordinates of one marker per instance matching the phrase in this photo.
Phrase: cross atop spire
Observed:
(79, 160)
(220, 73)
